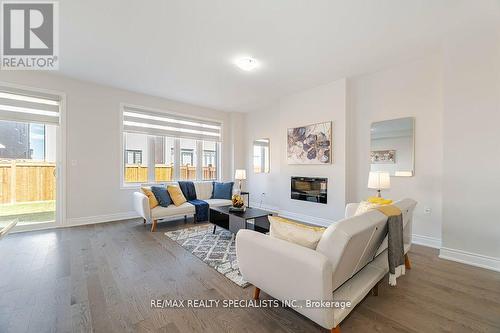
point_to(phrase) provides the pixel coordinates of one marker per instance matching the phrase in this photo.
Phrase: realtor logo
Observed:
(30, 35)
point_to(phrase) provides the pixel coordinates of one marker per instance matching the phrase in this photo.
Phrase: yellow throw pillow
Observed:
(152, 199)
(295, 232)
(176, 195)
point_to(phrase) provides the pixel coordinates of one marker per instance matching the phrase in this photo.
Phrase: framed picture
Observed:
(383, 157)
(311, 144)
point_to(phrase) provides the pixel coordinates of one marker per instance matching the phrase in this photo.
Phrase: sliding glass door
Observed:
(29, 129)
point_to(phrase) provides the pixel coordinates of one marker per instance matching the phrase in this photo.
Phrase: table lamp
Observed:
(240, 175)
(379, 181)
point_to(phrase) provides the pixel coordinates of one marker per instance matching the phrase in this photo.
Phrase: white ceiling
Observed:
(183, 50)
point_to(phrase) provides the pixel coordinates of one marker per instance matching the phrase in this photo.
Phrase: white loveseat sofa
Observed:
(349, 261)
(203, 192)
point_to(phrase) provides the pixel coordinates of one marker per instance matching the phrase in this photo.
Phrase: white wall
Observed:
(471, 182)
(454, 96)
(93, 142)
(408, 90)
(237, 133)
(320, 104)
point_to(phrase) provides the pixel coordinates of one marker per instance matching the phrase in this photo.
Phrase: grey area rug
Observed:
(216, 250)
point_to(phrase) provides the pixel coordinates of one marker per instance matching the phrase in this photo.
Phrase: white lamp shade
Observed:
(379, 180)
(240, 174)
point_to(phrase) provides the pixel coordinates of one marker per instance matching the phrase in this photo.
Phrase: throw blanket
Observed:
(201, 207)
(395, 245)
(188, 190)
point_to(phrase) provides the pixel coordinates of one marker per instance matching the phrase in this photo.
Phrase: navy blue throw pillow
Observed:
(161, 195)
(223, 190)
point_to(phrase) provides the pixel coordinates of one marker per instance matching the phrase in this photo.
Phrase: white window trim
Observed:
(128, 186)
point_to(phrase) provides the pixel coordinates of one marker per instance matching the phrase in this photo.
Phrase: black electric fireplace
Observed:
(309, 189)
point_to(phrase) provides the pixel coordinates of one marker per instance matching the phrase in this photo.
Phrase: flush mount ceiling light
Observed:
(247, 63)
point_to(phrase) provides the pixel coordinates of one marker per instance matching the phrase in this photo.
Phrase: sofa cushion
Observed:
(294, 232)
(218, 202)
(223, 190)
(153, 202)
(176, 194)
(161, 195)
(203, 190)
(172, 210)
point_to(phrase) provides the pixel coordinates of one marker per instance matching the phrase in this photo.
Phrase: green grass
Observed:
(22, 208)
(28, 212)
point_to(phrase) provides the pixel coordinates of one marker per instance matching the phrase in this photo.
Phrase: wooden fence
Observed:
(22, 181)
(165, 173)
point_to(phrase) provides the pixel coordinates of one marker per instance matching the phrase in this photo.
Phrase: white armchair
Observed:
(349, 261)
(291, 271)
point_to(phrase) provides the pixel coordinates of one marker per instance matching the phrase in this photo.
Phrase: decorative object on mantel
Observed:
(311, 144)
(379, 181)
(217, 250)
(239, 175)
(383, 157)
(238, 204)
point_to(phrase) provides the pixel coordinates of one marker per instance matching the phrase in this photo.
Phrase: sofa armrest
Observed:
(286, 271)
(141, 205)
(350, 209)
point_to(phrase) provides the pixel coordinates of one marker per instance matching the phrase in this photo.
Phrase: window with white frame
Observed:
(29, 132)
(160, 147)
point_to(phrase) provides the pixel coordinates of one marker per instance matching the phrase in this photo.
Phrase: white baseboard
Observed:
(306, 218)
(264, 206)
(76, 221)
(294, 216)
(470, 258)
(426, 241)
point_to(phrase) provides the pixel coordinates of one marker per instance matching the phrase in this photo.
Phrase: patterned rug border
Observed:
(218, 250)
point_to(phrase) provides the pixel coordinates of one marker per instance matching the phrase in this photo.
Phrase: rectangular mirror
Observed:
(392, 147)
(261, 156)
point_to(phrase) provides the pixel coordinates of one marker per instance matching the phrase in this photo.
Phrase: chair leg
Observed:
(375, 289)
(215, 226)
(336, 329)
(185, 218)
(153, 227)
(144, 221)
(256, 293)
(407, 262)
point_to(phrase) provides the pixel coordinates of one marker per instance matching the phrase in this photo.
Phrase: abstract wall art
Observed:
(311, 144)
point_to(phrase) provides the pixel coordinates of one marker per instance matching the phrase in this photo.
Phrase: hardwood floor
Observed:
(102, 278)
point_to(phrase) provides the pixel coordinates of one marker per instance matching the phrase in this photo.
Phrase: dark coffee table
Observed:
(234, 221)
